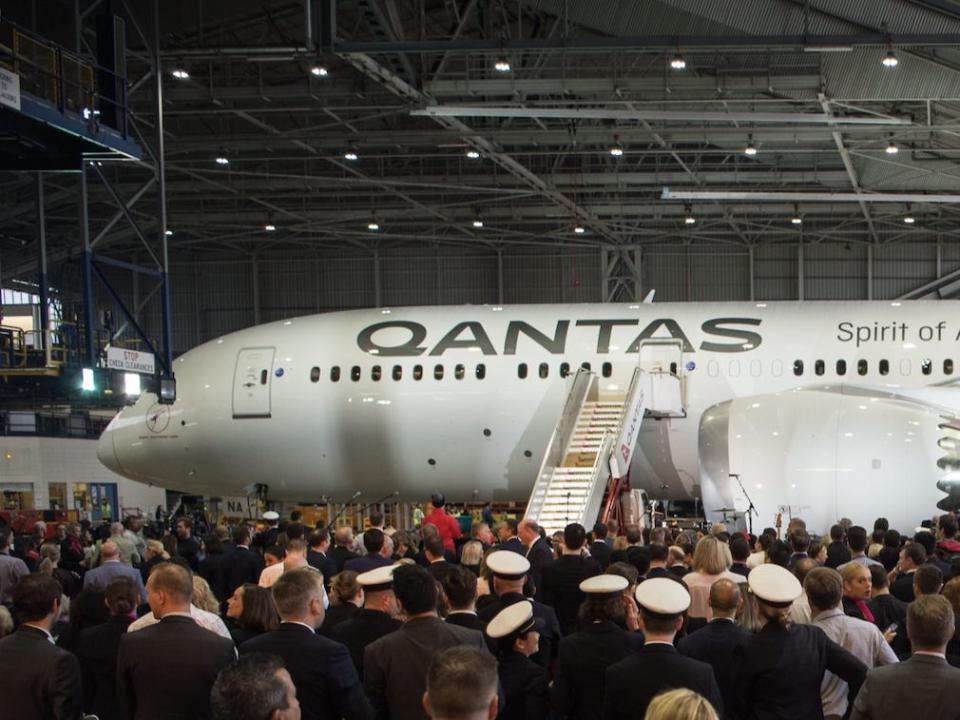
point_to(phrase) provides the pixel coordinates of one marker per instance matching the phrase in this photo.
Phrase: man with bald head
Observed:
(166, 670)
(714, 644)
(112, 567)
(800, 610)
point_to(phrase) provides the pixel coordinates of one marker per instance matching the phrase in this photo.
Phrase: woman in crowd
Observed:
(680, 704)
(211, 568)
(98, 647)
(153, 554)
(346, 599)
(748, 618)
(203, 596)
(711, 562)
(472, 556)
(69, 581)
(251, 612)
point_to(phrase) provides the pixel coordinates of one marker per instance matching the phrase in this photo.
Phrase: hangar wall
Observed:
(213, 297)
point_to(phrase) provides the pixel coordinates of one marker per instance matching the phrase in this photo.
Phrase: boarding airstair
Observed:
(593, 441)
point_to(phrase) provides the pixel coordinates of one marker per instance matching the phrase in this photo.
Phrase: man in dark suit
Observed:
(509, 575)
(38, 680)
(924, 686)
(659, 556)
(437, 564)
(599, 549)
(374, 542)
(885, 608)
(460, 587)
(318, 555)
(327, 683)
(561, 579)
(716, 643)
(377, 618)
(240, 565)
(837, 551)
(740, 552)
(166, 670)
(395, 666)
(634, 681)
(911, 557)
(509, 538)
(256, 686)
(342, 552)
(578, 683)
(539, 552)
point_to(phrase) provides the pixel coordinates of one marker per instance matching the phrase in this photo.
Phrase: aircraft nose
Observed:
(107, 452)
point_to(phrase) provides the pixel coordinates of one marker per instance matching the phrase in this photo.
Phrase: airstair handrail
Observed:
(591, 510)
(562, 431)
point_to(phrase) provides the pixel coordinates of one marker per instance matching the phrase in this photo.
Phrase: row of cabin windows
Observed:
(459, 372)
(883, 367)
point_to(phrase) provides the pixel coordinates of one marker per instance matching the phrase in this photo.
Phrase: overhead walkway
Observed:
(593, 441)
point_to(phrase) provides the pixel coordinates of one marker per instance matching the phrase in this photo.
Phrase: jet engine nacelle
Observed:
(826, 453)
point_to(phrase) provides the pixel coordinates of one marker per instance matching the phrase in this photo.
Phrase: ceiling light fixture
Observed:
(168, 233)
(373, 227)
(222, 160)
(579, 229)
(892, 148)
(351, 156)
(180, 74)
(750, 150)
(270, 227)
(678, 63)
(890, 59)
(477, 223)
(909, 219)
(797, 219)
(616, 149)
(690, 218)
(502, 65)
(319, 71)
(473, 154)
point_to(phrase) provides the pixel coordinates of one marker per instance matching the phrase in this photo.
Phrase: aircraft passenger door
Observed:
(662, 363)
(251, 383)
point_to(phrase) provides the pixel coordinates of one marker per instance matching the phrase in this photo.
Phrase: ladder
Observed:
(575, 468)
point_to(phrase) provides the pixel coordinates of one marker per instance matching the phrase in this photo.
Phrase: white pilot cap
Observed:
(774, 585)
(270, 515)
(508, 564)
(514, 619)
(604, 585)
(663, 597)
(378, 579)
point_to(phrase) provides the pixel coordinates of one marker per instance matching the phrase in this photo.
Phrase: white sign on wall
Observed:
(9, 89)
(130, 361)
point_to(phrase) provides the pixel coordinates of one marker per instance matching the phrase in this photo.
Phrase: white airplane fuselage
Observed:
(858, 433)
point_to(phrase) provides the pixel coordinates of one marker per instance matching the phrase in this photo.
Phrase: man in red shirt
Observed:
(447, 526)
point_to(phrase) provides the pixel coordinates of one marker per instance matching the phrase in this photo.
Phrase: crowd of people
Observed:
(276, 620)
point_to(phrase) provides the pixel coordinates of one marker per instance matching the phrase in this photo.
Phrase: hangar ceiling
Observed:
(412, 87)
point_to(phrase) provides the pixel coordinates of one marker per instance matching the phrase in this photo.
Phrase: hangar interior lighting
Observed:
(351, 156)
(180, 74)
(168, 233)
(797, 218)
(750, 150)
(690, 218)
(373, 226)
(131, 383)
(87, 383)
(678, 63)
(502, 65)
(616, 149)
(909, 219)
(473, 154)
(319, 71)
(270, 227)
(890, 59)
(477, 223)
(579, 229)
(222, 160)
(892, 148)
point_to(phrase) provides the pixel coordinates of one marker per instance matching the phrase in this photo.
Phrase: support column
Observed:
(800, 264)
(255, 269)
(89, 347)
(160, 173)
(43, 280)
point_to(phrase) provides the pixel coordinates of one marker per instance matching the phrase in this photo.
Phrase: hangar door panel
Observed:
(251, 383)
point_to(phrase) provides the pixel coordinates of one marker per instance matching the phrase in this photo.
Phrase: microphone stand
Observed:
(751, 508)
(332, 523)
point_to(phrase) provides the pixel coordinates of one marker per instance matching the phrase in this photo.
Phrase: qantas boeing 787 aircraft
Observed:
(825, 409)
